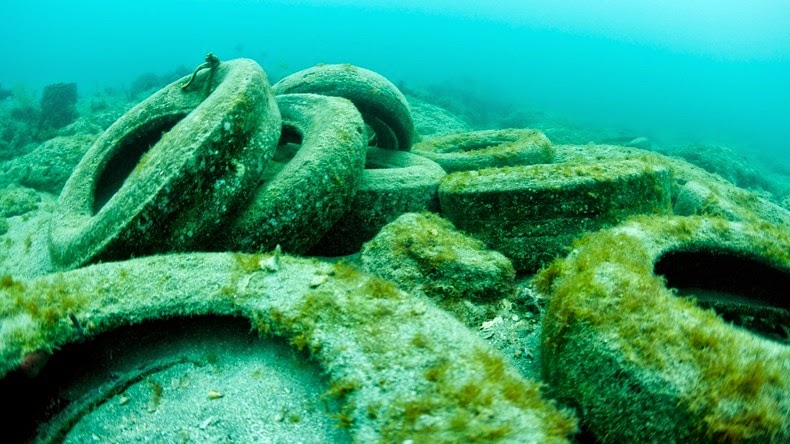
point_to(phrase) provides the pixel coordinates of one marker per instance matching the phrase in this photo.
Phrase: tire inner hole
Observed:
(129, 156)
(289, 144)
(483, 145)
(88, 378)
(744, 292)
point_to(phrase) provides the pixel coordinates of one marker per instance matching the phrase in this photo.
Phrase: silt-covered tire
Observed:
(302, 197)
(393, 183)
(379, 101)
(487, 149)
(533, 213)
(164, 176)
(642, 363)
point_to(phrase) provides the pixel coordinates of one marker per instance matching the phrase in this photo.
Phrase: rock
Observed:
(58, 105)
(432, 121)
(16, 136)
(15, 201)
(5, 93)
(424, 252)
(725, 162)
(640, 142)
(49, 166)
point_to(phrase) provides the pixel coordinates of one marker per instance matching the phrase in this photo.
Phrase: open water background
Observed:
(699, 70)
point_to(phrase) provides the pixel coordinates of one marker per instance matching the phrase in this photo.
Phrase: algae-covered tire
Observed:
(487, 149)
(641, 363)
(400, 368)
(694, 190)
(379, 101)
(299, 201)
(393, 183)
(532, 213)
(165, 175)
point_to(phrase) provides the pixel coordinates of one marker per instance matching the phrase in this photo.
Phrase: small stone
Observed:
(213, 394)
(123, 400)
(272, 263)
(207, 422)
(318, 280)
(269, 264)
(492, 323)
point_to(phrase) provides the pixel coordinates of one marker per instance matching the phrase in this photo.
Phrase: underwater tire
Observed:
(694, 190)
(164, 176)
(393, 183)
(642, 364)
(533, 213)
(300, 201)
(401, 368)
(719, 198)
(487, 149)
(379, 101)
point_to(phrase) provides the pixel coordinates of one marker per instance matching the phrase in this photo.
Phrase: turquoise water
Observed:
(713, 71)
(680, 73)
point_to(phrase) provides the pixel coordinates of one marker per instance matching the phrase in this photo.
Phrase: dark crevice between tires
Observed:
(372, 163)
(289, 144)
(743, 291)
(128, 156)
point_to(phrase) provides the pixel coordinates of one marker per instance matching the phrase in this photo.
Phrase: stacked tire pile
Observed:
(183, 171)
(317, 164)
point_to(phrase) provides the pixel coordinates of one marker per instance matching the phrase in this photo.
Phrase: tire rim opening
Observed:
(88, 380)
(289, 144)
(129, 156)
(743, 291)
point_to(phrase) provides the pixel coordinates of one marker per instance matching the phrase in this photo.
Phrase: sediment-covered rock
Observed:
(424, 252)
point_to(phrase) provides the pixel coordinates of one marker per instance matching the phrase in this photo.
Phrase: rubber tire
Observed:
(378, 100)
(206, 154)
(642, 364)
(393, 183)
(707, 194)
(394, 361)
(487, 149)
(300, 201)
(533, 213)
